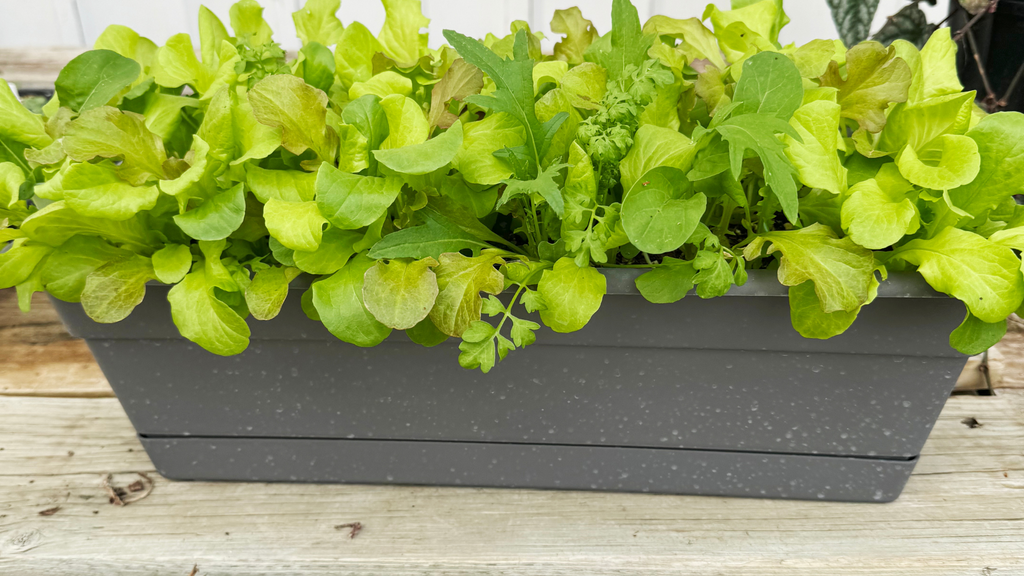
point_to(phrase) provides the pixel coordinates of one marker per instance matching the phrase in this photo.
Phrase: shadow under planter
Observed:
(717, 397)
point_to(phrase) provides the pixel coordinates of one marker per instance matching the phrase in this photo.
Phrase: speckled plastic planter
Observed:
(718, 397)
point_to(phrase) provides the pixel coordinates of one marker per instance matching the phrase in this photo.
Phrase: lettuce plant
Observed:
(470, 191)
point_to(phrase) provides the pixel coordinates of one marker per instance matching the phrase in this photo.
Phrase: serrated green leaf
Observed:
(841, 270)
(461, 279)
(983, 275)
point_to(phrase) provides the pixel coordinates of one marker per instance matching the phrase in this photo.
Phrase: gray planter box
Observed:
(718, 397)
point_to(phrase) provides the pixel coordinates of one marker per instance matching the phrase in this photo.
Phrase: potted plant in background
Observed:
(987, 30)
(320, 239)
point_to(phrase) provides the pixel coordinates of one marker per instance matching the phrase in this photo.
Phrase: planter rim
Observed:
(622, 282)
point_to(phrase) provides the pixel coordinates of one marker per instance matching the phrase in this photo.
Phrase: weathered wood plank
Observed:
(34, 68)
(39, 358)
(962, 513)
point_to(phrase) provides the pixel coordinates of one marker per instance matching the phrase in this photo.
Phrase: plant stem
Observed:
(1013, 85)
(990, 99)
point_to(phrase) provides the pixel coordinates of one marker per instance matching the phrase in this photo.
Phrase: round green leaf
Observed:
(658, 213)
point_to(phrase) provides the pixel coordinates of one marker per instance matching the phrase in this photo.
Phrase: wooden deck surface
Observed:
(61, 435)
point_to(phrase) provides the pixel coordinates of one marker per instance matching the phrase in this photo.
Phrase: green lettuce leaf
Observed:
(579, 35)
(400, 293)
(879, 211)
(351, 201)
(339, 302)
(654, 146)
(94, 78)
(425, 157)
(299, 110)
(317, 22)
(268, 290)
(217, 217)
(110, 133)
(983, 275)
(973, 336)
(660, 212)
(476, 160)
(335, 249)
(95, 190)
(814, 155)
(171, 263)
(400, 37)
(297, 225)
(204, 319)
(114, 289)
(56, 223)
(63, 274)
(353, 57)
(875, 77)
(810, 319)
(572, 295)
(460, 280)
(999, 139)
(842, 271)
(286, 185)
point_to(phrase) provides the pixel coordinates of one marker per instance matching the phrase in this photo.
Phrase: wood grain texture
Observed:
(962, 513)
(39, 358)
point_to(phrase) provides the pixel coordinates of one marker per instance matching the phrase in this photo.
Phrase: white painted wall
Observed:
(30, 23)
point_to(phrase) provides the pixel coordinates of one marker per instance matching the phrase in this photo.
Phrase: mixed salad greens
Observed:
(410, 182)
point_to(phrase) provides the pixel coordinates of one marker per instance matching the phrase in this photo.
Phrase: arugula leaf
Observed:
(514, 93)
(757, 132)
(544, 185)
